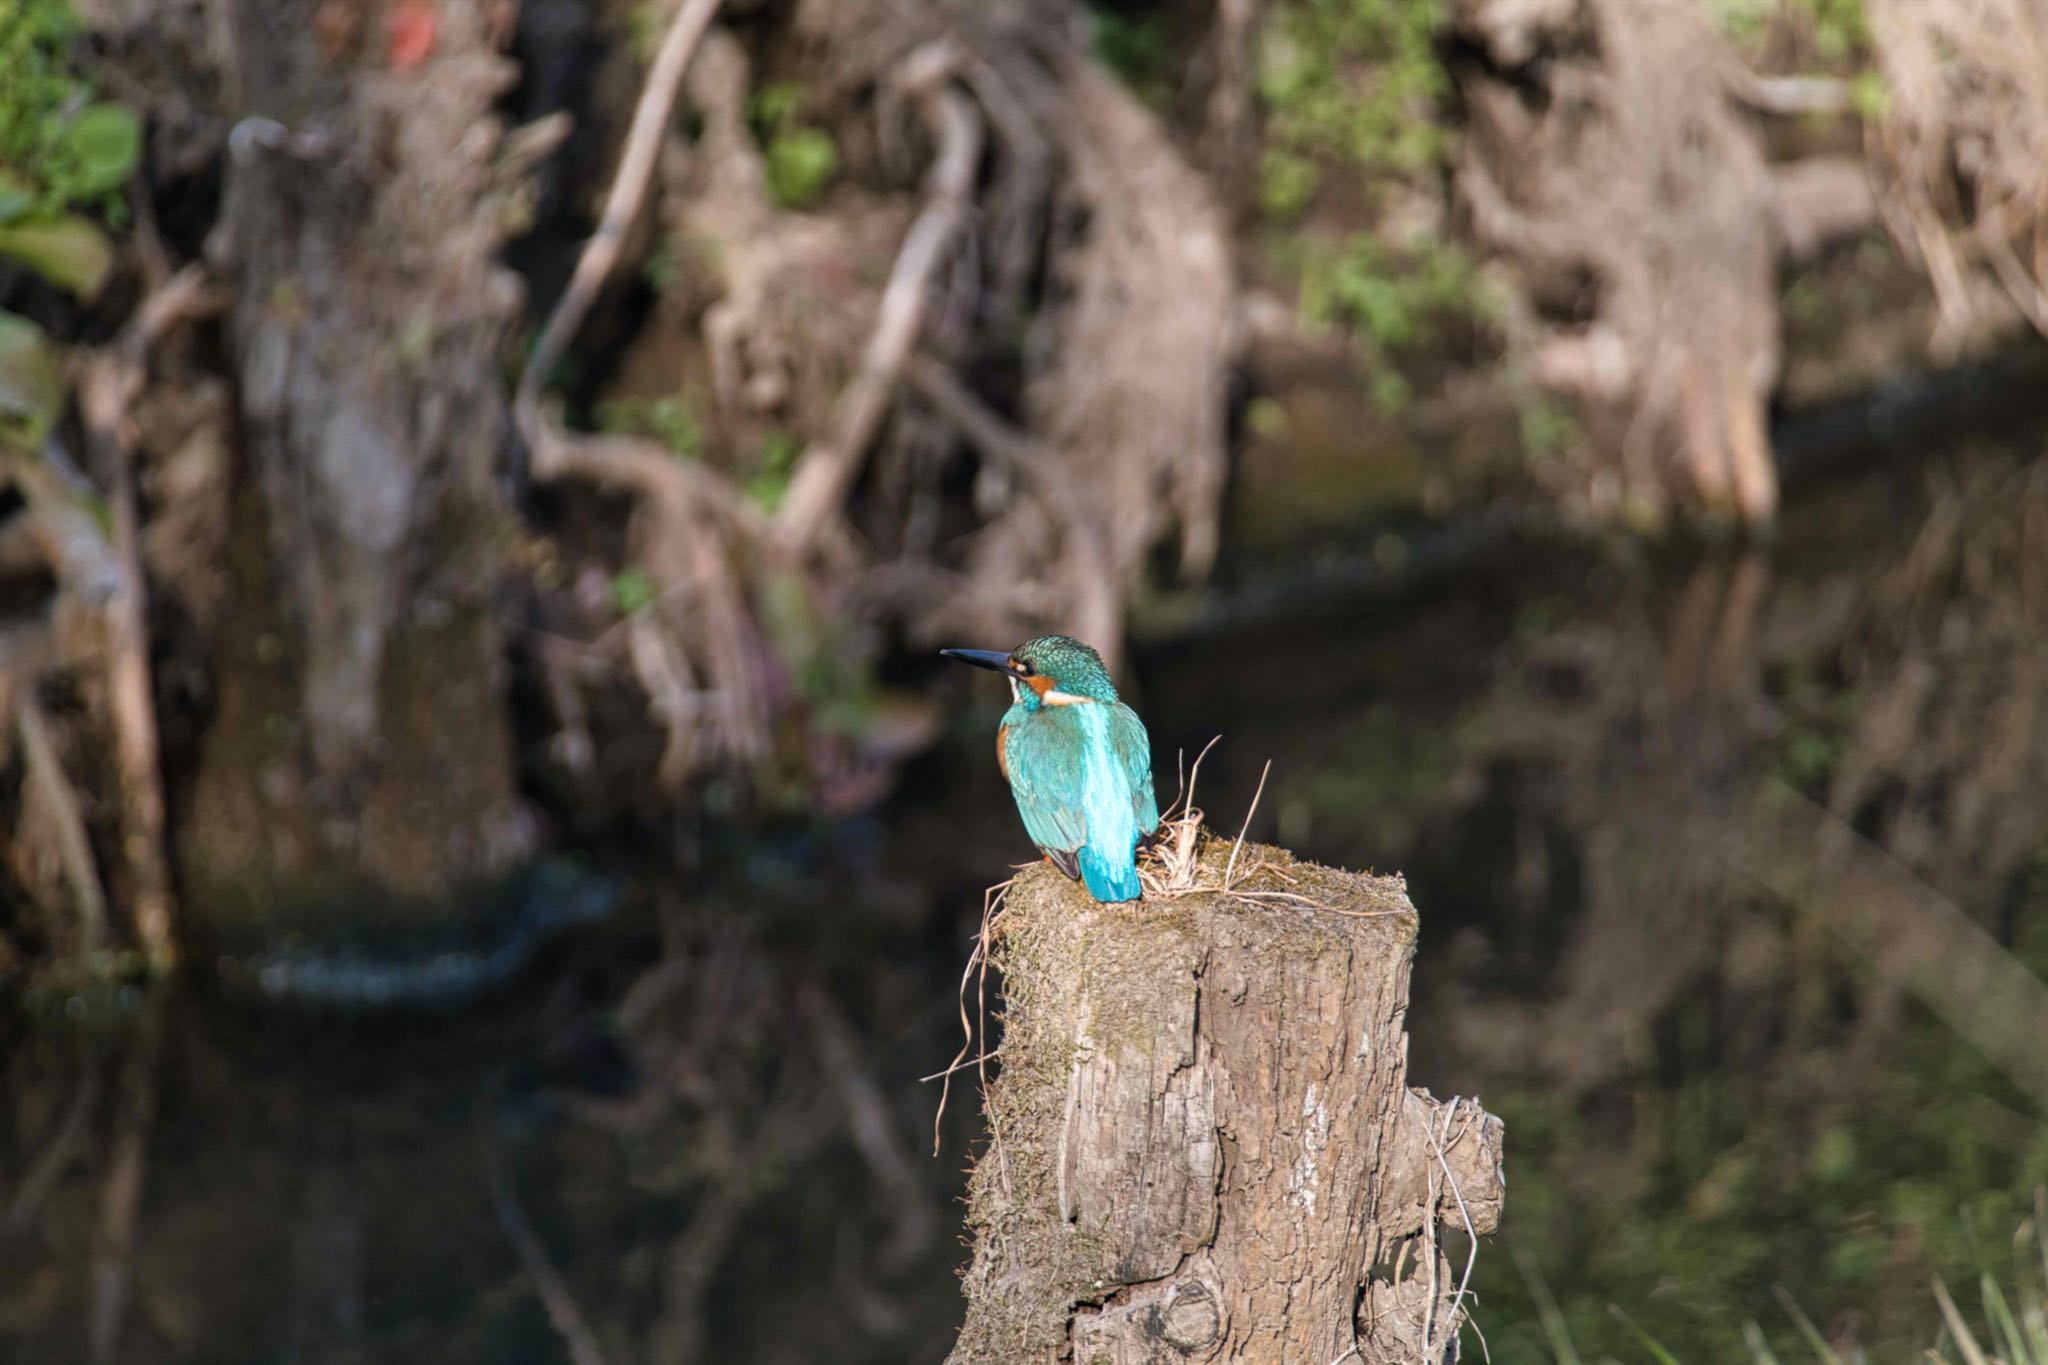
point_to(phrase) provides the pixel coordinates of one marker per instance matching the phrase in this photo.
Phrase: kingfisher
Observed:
(1077, 759)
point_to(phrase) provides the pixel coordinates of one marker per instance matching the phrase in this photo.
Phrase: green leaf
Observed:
(31, 394)
(801, 163)
(106, 141)
(633, 592)
(16, 196)
(65, 249)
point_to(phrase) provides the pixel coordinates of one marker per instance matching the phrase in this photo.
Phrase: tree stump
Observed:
(1203, 1145)
(360, 748)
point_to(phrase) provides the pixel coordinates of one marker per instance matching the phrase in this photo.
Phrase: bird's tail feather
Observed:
(1109, 878)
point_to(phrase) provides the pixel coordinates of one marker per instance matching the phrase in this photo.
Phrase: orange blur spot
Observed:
(412, 27)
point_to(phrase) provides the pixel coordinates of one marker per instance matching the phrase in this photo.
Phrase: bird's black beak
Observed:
(994, 659)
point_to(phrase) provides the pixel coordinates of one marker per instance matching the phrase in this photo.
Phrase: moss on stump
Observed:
(1203, 1142)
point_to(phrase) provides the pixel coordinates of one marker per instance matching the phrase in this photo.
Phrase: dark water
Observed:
(1642, 805)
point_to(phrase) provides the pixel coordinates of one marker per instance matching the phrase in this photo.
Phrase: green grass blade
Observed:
(1547, 1311)
(2041, 1231)
(1825, 1353)
(1995, 1309)
(1760, 1352)
(1966, 1341)
(2036, 1321)
(1650, 1343)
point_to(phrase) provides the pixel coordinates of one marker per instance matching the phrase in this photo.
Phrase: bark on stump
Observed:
(1203, 1142)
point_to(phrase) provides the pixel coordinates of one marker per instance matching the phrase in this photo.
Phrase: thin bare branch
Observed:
(108, 397)
(830, 464)
(563, 1314)
(622, 205)
(51, 787)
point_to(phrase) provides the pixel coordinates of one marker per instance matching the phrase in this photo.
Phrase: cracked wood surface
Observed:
(1207, 1146)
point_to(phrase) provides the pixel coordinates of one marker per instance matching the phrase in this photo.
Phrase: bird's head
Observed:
(1053, 670)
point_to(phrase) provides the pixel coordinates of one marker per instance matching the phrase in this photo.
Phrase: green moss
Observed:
(668, 420)
(801, 159)
(1838, 29)
(1134, 46)
(1287, 183)
(768, 481)
(1391, 299)
(632, 592)
(1547, 426)
(1355, 82)
(1353, 93)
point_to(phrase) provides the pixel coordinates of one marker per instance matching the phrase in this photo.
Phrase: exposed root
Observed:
(829, 465)
(695, 651)
(1677, 364)
(691, 513)
(1965, 136)
(59, 802)
(107, 401)
(622, 206)
(1048, 193)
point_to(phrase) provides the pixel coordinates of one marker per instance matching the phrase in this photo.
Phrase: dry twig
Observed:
(828, 467)
(111, 387)
(563, 1314)
(47, 780)
(976, 970)
(622, 205)
(691, 508)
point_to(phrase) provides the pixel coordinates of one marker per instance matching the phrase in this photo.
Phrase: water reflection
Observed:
(1734, 878)
(1733, 902)
(676, 1143)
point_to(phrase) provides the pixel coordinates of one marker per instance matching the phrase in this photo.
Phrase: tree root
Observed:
(1122, 390)
(689, 508)
(829, 466)
(1680, 357)
(622, 206)
(59, 802)
(112, 385)
(1964, 136)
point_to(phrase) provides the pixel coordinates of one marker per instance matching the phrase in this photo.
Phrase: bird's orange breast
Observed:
(1003, 750)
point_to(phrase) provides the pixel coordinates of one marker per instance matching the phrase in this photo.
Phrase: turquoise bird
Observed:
(1078, 760)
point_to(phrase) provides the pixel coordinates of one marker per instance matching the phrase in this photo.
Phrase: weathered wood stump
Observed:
(1203, 1143)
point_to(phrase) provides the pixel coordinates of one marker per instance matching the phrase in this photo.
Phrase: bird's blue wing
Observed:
(1082, 777)
(1134, 748)
(1117, 790)
(1045, 758)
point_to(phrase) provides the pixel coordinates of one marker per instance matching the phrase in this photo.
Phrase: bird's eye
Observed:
(1024, 666)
